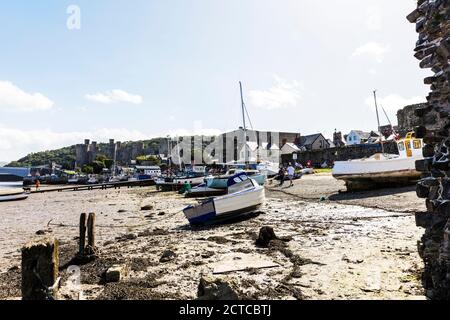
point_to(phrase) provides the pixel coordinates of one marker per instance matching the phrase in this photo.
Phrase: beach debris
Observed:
(43, 232)
(218, 239)
(242, 262)
(352, 260)
(266, 234)
(121, 211)
(207, 254)
(217, 288)
(116, 273)
(147, 207)
(40, 269)
(167, 256)
(162, 213)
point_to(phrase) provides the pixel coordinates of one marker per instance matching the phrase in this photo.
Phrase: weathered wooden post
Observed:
(82, 233)
(91, 234)
(40, 263)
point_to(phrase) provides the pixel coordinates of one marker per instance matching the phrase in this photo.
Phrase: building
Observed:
(313, 142)
(361, 137)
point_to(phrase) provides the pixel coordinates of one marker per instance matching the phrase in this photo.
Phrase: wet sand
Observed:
(343, 246)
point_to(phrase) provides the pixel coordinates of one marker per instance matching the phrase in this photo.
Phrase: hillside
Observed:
(65, 156)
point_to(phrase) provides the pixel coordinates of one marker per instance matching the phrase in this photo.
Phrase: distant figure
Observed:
(281, 175)
(37, 184)
(291, 173)
(309, 164)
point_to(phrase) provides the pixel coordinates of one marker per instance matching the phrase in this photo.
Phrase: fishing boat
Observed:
(383, 169)
(220, 182)
(245, 195)
(13, 195)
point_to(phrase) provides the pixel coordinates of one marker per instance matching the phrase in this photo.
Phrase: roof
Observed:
(309, 140)
(291, 145)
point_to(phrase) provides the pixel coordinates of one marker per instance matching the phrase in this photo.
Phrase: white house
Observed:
(357, 137)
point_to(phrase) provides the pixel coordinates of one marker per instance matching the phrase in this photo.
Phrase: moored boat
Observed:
(12, 195)
(382, 169)
(220, 182)
(245, 195)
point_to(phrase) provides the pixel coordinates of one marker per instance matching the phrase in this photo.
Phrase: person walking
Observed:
(281, 175)
(291, 173)
(37, 184)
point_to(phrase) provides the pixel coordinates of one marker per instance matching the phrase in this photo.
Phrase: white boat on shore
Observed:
(382, 169)
(13, 195)
(244, 196)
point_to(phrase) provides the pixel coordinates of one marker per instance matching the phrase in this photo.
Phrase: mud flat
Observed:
(350, 246)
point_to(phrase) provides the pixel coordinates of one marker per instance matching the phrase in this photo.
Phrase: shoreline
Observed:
(357, 240)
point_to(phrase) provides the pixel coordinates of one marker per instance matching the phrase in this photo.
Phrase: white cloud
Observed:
(17, 143)
(394, 102)
(15, 99)
(115, 96)
(374, 18)
(374, 49)
(284, 94)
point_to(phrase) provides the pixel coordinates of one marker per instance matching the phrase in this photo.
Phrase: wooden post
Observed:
(82, 233)
(91, 232)
(40, 263)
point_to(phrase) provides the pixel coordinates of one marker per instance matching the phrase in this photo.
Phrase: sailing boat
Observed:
(382, 169)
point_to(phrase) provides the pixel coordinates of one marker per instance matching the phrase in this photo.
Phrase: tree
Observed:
(88, 169)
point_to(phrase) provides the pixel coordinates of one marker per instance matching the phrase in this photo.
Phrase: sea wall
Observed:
(432, 19)
(344, 153)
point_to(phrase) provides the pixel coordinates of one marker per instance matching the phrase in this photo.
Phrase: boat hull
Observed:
(365, 174)
(13, 196)
(226, 207)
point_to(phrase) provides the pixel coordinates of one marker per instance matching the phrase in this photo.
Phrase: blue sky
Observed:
(139, 69)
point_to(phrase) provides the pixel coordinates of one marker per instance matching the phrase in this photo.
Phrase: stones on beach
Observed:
(266, 234)
(147, 207)
(116, 273)
(43, 232)
(167, 256)
(217, 288)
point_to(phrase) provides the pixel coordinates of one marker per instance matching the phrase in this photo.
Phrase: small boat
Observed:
(13, 195)
(383, 169)
(245, 195)
(92, 180)
(174, 184)
(220, 182)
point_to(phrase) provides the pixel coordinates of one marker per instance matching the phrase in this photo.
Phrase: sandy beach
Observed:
(335, 245)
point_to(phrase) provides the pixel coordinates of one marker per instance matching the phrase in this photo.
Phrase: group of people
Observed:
(287, 173)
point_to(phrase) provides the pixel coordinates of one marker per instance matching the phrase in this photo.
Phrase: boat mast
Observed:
(378, 119)
(115, 159)
(245, 126)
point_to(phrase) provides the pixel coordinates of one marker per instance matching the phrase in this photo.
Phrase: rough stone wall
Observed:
(407, 119)
(433, 50)
(341, 154)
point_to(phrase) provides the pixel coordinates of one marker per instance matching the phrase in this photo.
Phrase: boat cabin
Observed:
(410, 146)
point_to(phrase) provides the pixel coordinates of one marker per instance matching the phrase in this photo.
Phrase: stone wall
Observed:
(432, 19)
(318, 157)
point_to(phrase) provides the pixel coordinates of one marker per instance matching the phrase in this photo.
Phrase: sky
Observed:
(132, 70)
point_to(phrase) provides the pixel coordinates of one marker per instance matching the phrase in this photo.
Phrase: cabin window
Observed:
(401, 146)
(417, 144)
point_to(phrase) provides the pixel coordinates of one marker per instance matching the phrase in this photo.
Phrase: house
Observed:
(289, 148)
(313, 142)
(361, 137)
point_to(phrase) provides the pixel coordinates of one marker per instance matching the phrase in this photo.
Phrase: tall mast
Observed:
(243, 120)
(378, 119)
